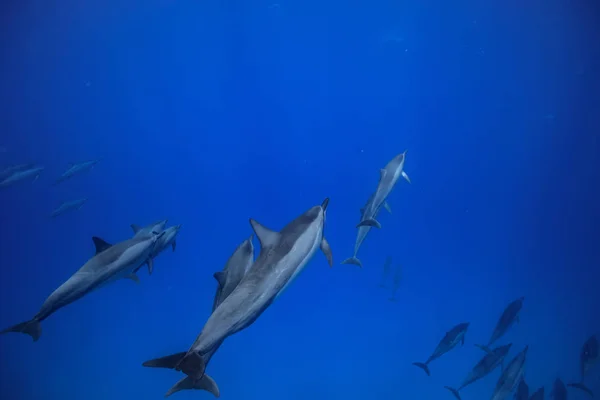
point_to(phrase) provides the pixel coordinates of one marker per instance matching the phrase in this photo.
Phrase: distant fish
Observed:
(453, 337)
(588, 357)
(386, 271)
(509, 316)
(21, 175)
(75, 169)
(397, 280)
(68, 206)
(522, 392)
(511, 376)
(559, 390)
(538, 395)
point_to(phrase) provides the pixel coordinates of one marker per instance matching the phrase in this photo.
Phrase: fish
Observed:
(109, 263)
(522, 392)
(283, 255)
(538, 395)
(67, 206)
(397, 280)
(167, 240)
(21, 175)
(453, 337)
(509, 316)
(76, 169)
(157, 226)
(559, 390)
(386, 271)
(588, 357)
(485, 366)
(511, 376)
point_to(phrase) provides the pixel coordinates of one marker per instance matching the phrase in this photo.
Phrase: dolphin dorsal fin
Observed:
(266, 237)
(100, 244)
(220, 277)
(135, 228)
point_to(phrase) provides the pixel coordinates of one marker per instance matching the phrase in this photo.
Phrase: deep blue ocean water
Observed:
(211, 112)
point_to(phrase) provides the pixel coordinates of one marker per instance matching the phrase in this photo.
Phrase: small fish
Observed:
(453, 337)
(397, 280)
(386, 271)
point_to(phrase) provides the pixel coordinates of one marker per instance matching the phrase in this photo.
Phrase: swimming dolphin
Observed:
(509, 316)
(538, 395)
(522, 390)
(511, 376)
(283, 255)
(453, 337)
(386, 271)
(486, 365)
(157, 226)
(75, 169)
(588, 357)
(22, 175)
(68, 206)
(387, 180)
(166, 240)
(227, 280)
(559, 391)
(109, 263)
(8, 171)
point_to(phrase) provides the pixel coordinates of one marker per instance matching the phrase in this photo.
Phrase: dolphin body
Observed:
(511, 376)
(167, 240)
(522, 390)
(111, 262)
(67, 206)
(559, 390)
(157, 226)
(538, 395)
(449, 341)
(509, 316)
(227, 280)
(388, 177)
(486, 365)
(21, 175)
(8, 171)
(588, 357)
(75, 169)
(282, 257)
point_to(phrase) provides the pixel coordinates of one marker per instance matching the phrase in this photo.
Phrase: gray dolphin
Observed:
(227, 280)
(559, 390)
(111, 262)
(8, 171)
(75, 169)
(588, 357)
(167, 240)
(157, 226)
(486, 365)
(387, 180)
(21, 175)
(538, 395)
(509, 316)
(68, 206)
(282, 257)
(522, 392)
(511, 376)
(453, 337)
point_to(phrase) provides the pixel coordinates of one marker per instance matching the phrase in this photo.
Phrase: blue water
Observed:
(211, 112)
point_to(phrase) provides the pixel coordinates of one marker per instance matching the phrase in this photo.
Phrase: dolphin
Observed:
(486, 365)
(166, 240)
(511, 376)
(283, 255)
(538, 395)
(559, 391)
(22, 175)
(8, 171)
(227, 280)
(68, 206)
(449, 341)
(388, 177)
(386, 271)
(157, 226)
(509, 316)
(109, 263)
(75, 169)
(522, 390)
(588, 357)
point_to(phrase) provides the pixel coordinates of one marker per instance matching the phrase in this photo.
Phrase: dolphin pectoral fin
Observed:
(352, 260)
(32, 328)
(169, 362)
(173, 245)
(326, 249)
(135, 228)
(424, 367)
(581, 386)
(405, 176)
(265, 236)
(454, 392)
(484, 348)
(150, 264)
(369, 222)
(220, 277)
(387, 207)
(205, 383)
(100, 244)
(133, 277)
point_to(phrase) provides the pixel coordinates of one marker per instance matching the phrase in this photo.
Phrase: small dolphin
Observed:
(588, 357)
(283, 255)
(8, 171)
(75, 169)
(22, 175)
(167, 240)
(449, 341)
(157, 226)
(387, 180)
(509, 316)
(538, 395)
(68, 206)
(486, 365)
(386, 271)
(397, 280)
(109, 263)
(559, 390)
(511, 376)
(522, 392)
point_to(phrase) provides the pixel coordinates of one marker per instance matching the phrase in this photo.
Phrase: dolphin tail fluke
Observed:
(581, 386)
(424, 367)
(32, 328)
(454, 392)
(205, 383)
(373, 223)
(352, 260)
(169, 362)
(484, 348)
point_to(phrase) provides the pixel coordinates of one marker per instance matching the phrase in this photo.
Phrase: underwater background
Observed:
(211, 112)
